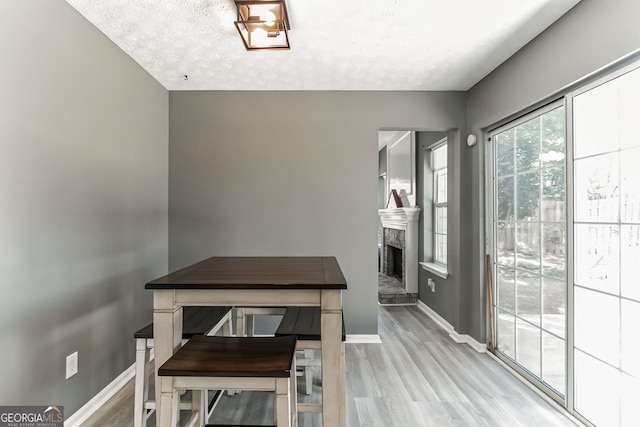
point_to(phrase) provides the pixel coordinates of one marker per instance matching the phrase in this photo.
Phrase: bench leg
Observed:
(227, 328)
(199, 406)
(240, 322)
(251, 320)
(141, 394)
(293, 391)
(240, 332)
(308, 373)
(282, 405)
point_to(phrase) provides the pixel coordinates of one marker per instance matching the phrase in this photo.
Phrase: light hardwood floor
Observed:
(417, 377)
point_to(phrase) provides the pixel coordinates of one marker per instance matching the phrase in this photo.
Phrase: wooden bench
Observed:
(196, 321)
(305, 324)
(240, 363)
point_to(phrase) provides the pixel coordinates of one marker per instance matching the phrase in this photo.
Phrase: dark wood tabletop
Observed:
(256, 273)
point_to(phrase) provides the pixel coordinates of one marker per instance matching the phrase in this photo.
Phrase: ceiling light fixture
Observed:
(263, 24)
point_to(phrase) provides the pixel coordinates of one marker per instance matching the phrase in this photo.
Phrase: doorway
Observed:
(396, 196)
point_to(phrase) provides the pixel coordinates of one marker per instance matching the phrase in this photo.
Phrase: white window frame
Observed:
(436, 264)
(439, 254)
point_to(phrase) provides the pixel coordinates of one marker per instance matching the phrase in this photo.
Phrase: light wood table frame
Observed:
(257, 282)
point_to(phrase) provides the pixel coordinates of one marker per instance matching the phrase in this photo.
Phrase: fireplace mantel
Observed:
(405, 219)
(398, 218)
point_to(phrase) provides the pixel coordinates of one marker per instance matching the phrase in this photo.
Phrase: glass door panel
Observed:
(530, 246)
(607, 251)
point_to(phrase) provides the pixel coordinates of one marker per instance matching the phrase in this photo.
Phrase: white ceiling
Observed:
(335, 44)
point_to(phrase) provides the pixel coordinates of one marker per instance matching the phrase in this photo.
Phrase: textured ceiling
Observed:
(335, 44)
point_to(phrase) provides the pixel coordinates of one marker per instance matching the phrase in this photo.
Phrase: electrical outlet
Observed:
(72, 364)
(431, 284)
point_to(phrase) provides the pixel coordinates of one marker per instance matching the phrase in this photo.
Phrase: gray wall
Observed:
(452, 299)
(591, 35)
(289, 173)
(83, 210)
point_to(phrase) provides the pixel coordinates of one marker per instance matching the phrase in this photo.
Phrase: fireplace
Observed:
(397, 266)
(393, 255)
(400, 245)
(396, 261)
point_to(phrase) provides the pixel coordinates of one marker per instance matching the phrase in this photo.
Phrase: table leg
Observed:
(343, 385)
(333, 394)
(167, 337)
(168, 411)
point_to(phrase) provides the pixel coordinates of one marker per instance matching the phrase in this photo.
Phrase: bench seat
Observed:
(239, 363)
(303, 322)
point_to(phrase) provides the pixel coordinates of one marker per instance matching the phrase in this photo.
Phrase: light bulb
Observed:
(268, 17)
(259, 38)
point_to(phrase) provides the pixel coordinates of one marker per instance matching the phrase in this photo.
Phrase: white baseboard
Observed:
(468, 340)
(404, 304)
(456, 337)
(100, 399)
(363, 339)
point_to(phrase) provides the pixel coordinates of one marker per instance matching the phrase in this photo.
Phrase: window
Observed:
(435, 215)
(439, 167)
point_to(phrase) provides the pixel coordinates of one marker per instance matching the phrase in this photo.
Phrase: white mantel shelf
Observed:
(398, 218)
(405, 219)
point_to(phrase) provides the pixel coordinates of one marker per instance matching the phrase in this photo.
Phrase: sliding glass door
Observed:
(530, 239)
(567, 269)
(606, 162)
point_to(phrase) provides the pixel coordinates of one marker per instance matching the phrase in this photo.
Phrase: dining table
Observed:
(257, 281)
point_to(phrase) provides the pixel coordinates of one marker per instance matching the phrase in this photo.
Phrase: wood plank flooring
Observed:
(417, 377)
